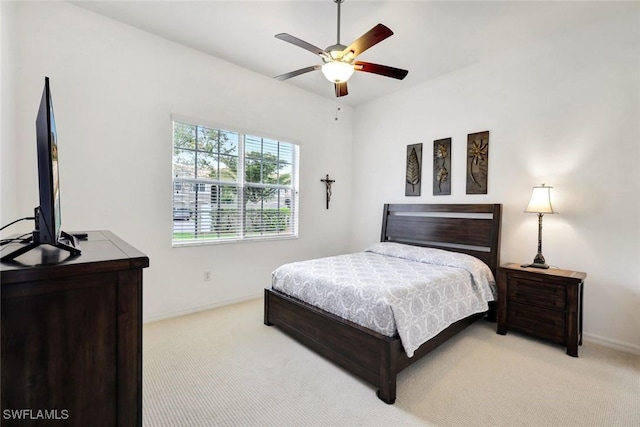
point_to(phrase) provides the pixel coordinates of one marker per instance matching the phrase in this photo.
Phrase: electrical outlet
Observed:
(207, 276)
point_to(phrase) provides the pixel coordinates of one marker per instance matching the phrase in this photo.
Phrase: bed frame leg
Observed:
(266, 308)
(388, 373)
(492, 313)
(388, 396)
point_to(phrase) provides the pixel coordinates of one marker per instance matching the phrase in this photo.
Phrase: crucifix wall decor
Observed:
(328, 183)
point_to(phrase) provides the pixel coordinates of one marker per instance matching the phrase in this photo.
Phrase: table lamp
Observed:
(540, 203)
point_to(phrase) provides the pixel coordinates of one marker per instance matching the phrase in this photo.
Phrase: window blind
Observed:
(229, 186)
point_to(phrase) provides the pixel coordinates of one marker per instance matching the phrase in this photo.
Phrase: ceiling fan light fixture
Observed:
(337, 71)
(340, 60)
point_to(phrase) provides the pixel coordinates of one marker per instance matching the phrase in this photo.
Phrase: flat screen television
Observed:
(49, 219)
(47, 215)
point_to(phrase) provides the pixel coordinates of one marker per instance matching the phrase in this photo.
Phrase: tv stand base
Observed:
(72, 246)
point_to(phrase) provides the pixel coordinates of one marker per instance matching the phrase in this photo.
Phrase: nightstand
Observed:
(544, 303)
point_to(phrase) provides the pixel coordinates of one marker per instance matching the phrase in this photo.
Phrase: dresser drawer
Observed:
(544, 294)
(544, 323)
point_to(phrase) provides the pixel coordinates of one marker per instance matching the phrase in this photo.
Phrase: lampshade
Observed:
(540, 201)
(337, 71)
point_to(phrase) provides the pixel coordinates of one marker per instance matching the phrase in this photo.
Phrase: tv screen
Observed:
(47, 215)
(49, 220)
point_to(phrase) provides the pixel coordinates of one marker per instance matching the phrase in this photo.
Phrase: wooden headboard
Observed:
(472, 229)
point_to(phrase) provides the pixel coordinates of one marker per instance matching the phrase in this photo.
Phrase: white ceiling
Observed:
(431, 38)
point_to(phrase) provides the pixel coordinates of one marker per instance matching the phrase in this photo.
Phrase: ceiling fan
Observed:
(339, 60)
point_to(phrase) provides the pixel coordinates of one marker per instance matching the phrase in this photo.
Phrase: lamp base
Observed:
(535, 265)
(538, 261)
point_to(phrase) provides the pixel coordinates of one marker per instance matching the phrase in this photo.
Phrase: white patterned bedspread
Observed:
(390, 287)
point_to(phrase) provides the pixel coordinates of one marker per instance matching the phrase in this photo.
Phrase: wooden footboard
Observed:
(371, 356)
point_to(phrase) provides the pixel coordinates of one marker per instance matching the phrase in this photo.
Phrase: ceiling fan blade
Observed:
(383, 70)
(303, 44)
(341, 89)
(368, 39)
(297, 72)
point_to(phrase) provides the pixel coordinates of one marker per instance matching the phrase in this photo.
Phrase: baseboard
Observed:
(199, 308)
(616, 345)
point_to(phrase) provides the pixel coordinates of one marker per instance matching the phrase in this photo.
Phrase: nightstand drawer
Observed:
(549, 324)
(543, 294)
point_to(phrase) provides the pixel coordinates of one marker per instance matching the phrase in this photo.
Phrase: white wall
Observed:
(114, 89)
(566, 113)
(7, 116)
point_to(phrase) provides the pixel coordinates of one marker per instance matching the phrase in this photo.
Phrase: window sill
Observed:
(208, 242)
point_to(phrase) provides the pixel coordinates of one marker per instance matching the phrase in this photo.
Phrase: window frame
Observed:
(240, 185)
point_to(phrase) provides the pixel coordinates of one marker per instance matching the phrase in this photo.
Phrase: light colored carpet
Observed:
(224, 367)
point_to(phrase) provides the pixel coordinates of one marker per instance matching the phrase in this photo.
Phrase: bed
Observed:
(373, 353)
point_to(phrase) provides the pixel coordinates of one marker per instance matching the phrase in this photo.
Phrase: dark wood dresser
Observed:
(72, 335)
(545, 303)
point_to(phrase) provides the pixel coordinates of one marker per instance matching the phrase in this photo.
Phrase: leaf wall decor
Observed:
(413, 173)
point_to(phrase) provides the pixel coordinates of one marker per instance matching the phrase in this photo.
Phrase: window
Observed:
(229, 186)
